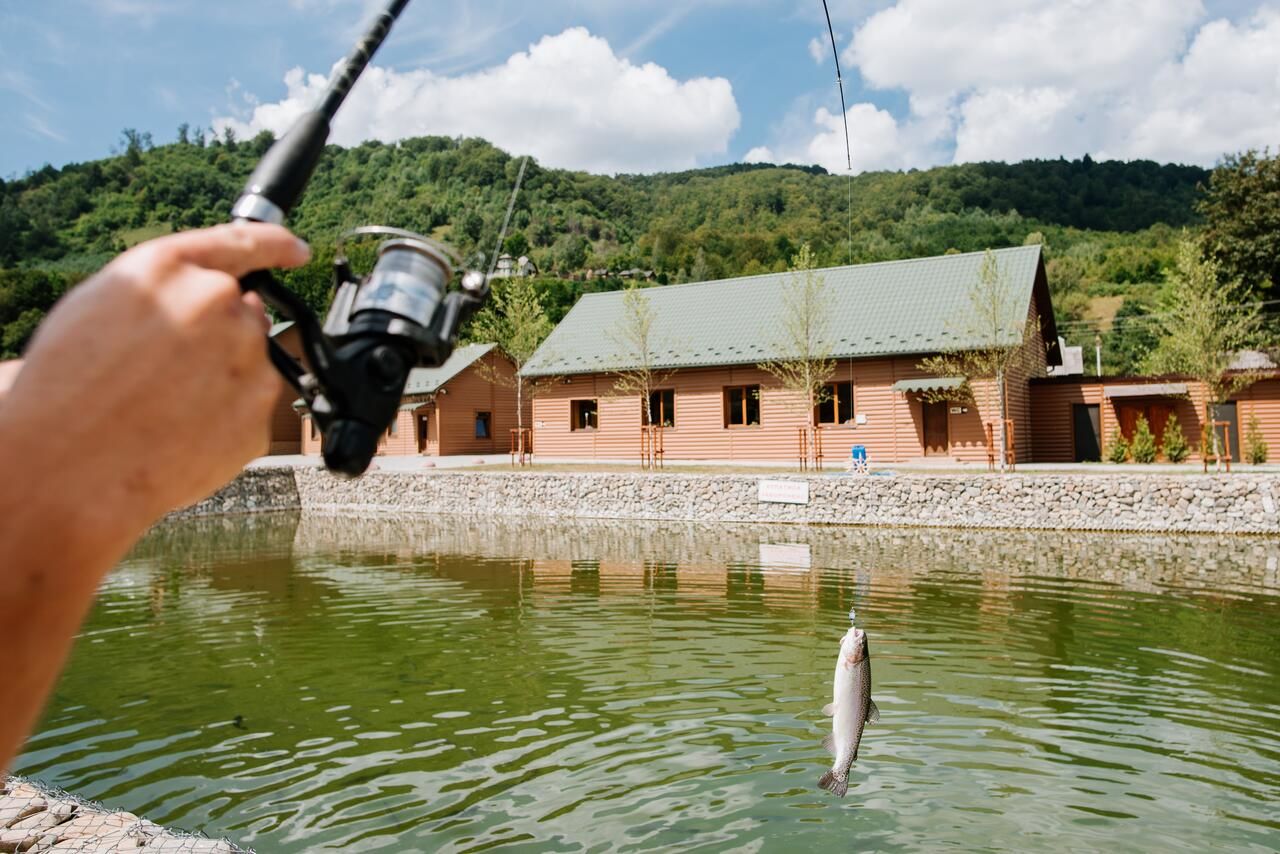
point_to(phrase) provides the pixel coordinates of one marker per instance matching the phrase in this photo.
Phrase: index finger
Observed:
(239, 248)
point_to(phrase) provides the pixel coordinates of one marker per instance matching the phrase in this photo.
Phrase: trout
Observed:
(851, 709)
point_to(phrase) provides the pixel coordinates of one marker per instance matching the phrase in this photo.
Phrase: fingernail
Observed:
(304, 248)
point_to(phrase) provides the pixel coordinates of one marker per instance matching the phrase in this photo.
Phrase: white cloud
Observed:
(1013, 79)
(818, 50)
(759, 154)
(568, 100)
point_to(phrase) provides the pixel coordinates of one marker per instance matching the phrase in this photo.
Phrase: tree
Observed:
(1241, 208)
(1118, 447)
(1202, 324)
(1175, 441)
(1255, 446)
(517, 322)
(994, 331)
(804, 366)
(1143, 447)
(638, 346)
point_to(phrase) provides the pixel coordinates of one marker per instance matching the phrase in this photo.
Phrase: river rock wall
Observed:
(1226, 504)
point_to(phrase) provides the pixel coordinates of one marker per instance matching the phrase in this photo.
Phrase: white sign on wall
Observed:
(783, 491)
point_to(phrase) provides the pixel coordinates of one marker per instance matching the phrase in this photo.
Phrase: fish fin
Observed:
(839, 787)
(873, 712)
(825, 781)
(829, 709)
(829, 743)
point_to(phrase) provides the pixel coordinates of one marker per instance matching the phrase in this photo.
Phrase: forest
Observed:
(1109, 229)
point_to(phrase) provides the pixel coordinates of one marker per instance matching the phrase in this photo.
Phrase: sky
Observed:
(614, 86)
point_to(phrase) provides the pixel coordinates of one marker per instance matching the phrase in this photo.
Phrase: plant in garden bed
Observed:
(1118, 447)
(1143, 448)
(1176, 448)
(1255, 447)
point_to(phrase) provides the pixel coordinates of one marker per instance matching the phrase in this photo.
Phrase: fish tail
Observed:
(835, 785)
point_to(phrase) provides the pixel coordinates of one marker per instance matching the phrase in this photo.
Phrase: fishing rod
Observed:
(402, 315)
(844, 118)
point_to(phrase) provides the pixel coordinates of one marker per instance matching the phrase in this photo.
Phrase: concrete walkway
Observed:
(945, 467)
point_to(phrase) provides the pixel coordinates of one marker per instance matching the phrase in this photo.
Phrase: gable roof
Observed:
(429, 380)
(884, 309)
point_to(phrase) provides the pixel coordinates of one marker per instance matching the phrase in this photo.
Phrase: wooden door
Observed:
(936, 439)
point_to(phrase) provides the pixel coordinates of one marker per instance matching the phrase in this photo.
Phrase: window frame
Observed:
(833, 389)
(662, 410)
(748, 392)
(575, 409)
(487, 421)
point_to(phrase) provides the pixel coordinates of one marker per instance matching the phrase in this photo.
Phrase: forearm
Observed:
(63, 525)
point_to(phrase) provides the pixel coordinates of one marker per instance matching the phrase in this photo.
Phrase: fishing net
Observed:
(35, 817)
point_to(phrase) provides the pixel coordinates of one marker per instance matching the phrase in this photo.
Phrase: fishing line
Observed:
(844, 117)
(506, 220)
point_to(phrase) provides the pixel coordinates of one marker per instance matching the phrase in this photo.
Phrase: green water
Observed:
(448, 684)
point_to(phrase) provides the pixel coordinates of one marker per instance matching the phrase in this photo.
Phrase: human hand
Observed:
(149, 385)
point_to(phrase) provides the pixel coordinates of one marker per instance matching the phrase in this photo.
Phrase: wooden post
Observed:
(1011, 453)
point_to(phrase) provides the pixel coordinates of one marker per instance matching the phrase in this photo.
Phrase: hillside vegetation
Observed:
(1109, 228)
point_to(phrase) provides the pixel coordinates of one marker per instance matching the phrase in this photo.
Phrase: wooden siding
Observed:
(892, 432)
(1052, 424)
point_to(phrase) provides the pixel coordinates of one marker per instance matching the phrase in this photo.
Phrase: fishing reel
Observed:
(402, 314)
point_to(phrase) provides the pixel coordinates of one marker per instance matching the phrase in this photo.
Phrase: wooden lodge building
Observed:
(465, 406)
(716, 403)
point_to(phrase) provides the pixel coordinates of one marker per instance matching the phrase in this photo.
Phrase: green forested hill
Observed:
(1108, 227)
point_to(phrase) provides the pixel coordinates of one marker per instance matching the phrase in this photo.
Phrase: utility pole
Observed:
(1097, 352)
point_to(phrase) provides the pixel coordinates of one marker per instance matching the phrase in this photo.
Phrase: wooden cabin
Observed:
(715, 403)
(465, 406)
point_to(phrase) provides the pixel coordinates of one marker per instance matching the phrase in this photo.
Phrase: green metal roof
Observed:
(928, 384)
(884, 309)
(429, 380)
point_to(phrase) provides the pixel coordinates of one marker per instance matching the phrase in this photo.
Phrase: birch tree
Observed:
(637, 350)
(1203, 323)
(804, 365)
(993, 333)
(517, 322)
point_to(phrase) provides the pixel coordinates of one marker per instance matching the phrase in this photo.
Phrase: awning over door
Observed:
(928, 384)
(413, 407)
(1146, 390)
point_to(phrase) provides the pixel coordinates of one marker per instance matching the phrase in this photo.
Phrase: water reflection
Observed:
(452, 684)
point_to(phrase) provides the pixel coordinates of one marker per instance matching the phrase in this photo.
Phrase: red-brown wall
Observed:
(892, 432)
(284, 418)
(451, 415)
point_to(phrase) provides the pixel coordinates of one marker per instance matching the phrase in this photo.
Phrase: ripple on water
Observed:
(416, 687)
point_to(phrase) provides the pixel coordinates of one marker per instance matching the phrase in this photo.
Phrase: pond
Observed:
(422, 684)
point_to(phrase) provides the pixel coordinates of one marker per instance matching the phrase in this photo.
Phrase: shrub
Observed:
(1117, 448)
(1143, 448)
(1255, 447)
(1175, 442)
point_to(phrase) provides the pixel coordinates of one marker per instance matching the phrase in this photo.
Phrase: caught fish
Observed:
(851, 709)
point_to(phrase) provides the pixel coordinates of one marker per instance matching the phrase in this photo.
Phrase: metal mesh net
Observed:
(35, 817)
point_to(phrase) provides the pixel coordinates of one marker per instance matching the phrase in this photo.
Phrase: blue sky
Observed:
(644, 85)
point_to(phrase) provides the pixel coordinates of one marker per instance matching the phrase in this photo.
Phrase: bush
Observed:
(1255, 447)
(1175, 442)
(1117, 448)
(1143, 448)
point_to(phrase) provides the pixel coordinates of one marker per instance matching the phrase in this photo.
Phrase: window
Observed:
(394, 429)
(482, 424)
(583, 415)
(662, 405)
(838, 407)
(742, 406)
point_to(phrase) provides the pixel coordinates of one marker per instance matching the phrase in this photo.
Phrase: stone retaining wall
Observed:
(1232, 504)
